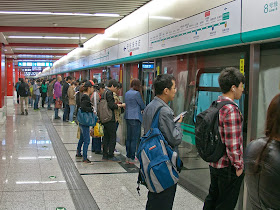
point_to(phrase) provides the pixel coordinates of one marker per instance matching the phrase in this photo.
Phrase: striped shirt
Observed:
(230, 128)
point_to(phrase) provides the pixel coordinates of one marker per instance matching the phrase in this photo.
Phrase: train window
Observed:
(209, 80)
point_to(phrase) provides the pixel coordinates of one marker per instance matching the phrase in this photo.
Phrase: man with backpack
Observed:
(24, 92)
(165, 91)
(224, 131)
(16, 86)
(105, 111)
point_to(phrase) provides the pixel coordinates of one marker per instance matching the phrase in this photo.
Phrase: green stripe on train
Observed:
(261, 34)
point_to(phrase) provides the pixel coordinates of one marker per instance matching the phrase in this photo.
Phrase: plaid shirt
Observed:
(230, 128)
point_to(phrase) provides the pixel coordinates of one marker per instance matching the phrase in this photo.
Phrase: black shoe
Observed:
(104, 158)
(57, 118)
(88, 161)
(26, 112)
(98, 152)
(22, 113)
(78, 156)
(114, 159)
(50, 108)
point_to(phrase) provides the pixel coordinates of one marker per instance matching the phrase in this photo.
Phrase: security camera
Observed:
(81, 45)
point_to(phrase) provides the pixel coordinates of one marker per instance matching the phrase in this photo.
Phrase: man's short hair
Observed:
(228, 77)
(69, 78)
(113, 82)
(163, 81)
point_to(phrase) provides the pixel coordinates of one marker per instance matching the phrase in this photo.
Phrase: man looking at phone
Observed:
(165, 91)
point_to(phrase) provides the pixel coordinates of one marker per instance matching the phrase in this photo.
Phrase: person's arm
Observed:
(232, 125)
(171, 131)
(111, 100)
(140, 101)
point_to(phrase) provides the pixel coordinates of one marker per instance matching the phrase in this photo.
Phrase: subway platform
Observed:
(38, 170)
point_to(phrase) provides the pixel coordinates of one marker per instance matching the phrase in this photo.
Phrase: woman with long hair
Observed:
(262, 163)
(133, 116)
(86, 106)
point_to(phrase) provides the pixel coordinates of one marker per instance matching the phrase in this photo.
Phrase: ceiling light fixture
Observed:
(40, 49)
(58, 13)
(161, 17)
(44, 37)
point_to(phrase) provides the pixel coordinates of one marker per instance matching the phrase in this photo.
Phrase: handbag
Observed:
(58, 104)
(86, 118)
(98, 130)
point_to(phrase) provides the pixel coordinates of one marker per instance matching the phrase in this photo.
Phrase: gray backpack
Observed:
(104, 113)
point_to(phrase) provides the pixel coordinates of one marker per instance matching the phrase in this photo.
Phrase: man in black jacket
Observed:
(65, 99)
(23, 91)
(109, 141)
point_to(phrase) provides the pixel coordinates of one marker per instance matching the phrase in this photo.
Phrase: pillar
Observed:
(9, 79)
(2, 85)
(16, 74)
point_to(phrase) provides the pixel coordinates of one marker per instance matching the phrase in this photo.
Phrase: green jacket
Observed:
(44, 88)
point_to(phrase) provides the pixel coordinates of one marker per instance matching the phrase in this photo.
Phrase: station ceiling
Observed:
(49, 29)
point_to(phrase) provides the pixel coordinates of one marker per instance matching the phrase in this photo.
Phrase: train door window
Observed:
(208, 91)
(148, 80)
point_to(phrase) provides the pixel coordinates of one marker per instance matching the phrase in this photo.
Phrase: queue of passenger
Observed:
(227, 172)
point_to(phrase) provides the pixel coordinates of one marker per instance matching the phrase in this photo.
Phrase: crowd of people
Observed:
(260, 161)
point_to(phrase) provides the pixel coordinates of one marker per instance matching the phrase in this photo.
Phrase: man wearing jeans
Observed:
(57, 95)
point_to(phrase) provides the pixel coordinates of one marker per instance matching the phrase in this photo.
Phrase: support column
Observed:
(16, 75)
(2, 85)
(10, 85)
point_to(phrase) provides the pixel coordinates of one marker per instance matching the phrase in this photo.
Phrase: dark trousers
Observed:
(96, 144)
(43, 95)
(109, 140)
(132, 137)
(66, 112)
(224, 189)
(161, 201)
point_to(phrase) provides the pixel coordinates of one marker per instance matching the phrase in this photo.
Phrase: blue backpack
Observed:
(159, 164)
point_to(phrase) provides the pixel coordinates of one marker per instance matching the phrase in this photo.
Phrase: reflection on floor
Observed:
(31, 178)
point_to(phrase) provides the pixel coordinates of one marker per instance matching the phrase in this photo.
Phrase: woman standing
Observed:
(72, 101)
(44, 88)
(262, 163)
(134, 106)
(86, 106)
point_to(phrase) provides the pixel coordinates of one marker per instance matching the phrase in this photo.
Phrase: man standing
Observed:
(23, 91)
(57, 95)
(227, 174)
(36, 91)
(17, 86)
(165, 91)
(109, 142)
(50, 93)
(65, 98)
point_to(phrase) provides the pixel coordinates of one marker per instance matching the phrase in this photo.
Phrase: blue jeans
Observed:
(30, 101)
(84, 139)
(37, 98)
(50, 99)
(96, 144)
(133, 135)
(72, 109)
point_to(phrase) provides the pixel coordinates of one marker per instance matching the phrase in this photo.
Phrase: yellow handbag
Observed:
(98, 130)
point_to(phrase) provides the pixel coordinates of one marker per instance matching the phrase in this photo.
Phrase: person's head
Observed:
(38, 81)
(113, 85)
(165, 87)
(69, 79)
(26, 80)
(231, 82)
(272, 129)
(21, 80)
(59, 78)
(44, 82)
(73, 84)
(101, 88)
(135, 84)
(95, 80)
(87, 88)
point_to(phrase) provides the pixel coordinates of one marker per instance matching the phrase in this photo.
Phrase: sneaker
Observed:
(131, 161)
(22, 113)
(26, 112)
(73, 122)
(50, 108)
(127, 160)
(88, 161)
(114, 159)
(78, 156)
(57, 118)
(117, 152)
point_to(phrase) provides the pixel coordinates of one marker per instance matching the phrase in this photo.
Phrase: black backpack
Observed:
(207, 136)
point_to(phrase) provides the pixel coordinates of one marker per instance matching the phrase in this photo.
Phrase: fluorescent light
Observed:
(106, 15)
(44, 37)
(58, 13)
(161, 17)
(40, 49)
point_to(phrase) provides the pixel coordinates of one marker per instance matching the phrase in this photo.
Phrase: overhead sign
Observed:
(35, 64)
(215, 23)
(260, 14)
